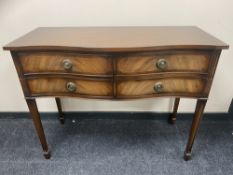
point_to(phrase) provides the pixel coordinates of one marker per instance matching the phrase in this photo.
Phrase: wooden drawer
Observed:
(69, 86)
(163, 62)
(41, 62)
(171, 86)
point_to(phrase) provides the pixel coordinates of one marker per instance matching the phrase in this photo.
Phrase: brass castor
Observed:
(47, 155)
(187, 156)
(171, 120)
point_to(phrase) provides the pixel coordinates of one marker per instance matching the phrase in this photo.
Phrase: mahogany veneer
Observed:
(116, 63)
(58, 86)
(53, 62)
(176, 62)
(172, 86)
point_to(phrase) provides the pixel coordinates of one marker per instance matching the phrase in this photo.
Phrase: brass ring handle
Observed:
(161, 64)
(71, 87)
(158, 87)
(67, 64)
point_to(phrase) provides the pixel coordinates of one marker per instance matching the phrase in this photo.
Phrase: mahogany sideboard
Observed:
(116, 63)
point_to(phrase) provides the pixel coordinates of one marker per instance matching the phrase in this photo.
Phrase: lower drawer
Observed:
(156, 87)
(69, 87)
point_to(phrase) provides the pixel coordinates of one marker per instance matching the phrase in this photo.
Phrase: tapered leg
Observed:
(61, 115)
(172, 117)
(38, 125)
(200, 106)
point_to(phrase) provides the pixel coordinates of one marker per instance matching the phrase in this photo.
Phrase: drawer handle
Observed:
(67, 64)
(71, 87)
(158, 87)
(161, 64)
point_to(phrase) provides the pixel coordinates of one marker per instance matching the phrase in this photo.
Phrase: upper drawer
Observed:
(163, 62)
(38, 62)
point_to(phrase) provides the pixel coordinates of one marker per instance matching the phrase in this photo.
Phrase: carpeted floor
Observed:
(115, 147)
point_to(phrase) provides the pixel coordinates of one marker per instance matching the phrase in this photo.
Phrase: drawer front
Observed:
(152, 87)
(70, 87)
(65, 62)
(136, 64)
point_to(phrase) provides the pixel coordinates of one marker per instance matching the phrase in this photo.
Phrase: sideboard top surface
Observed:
(116, 39)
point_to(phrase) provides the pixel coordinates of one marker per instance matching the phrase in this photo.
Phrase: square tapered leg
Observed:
(38, 125)
(61, 115)
(200, 106)
(172, 117)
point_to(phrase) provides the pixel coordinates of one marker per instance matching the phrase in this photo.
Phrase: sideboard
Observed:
(116, 63)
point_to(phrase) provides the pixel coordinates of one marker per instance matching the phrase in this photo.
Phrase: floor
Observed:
(115, 147)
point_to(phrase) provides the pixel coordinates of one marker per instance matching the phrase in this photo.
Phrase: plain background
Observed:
(18, 17)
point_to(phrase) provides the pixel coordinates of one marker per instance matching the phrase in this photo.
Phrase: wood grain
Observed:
(172, 117)
(171, 85)
(117, 63)
(176, 62)
(53, 86)
(198, 115)
(38, 125)
(38, 62)
(116, 39)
